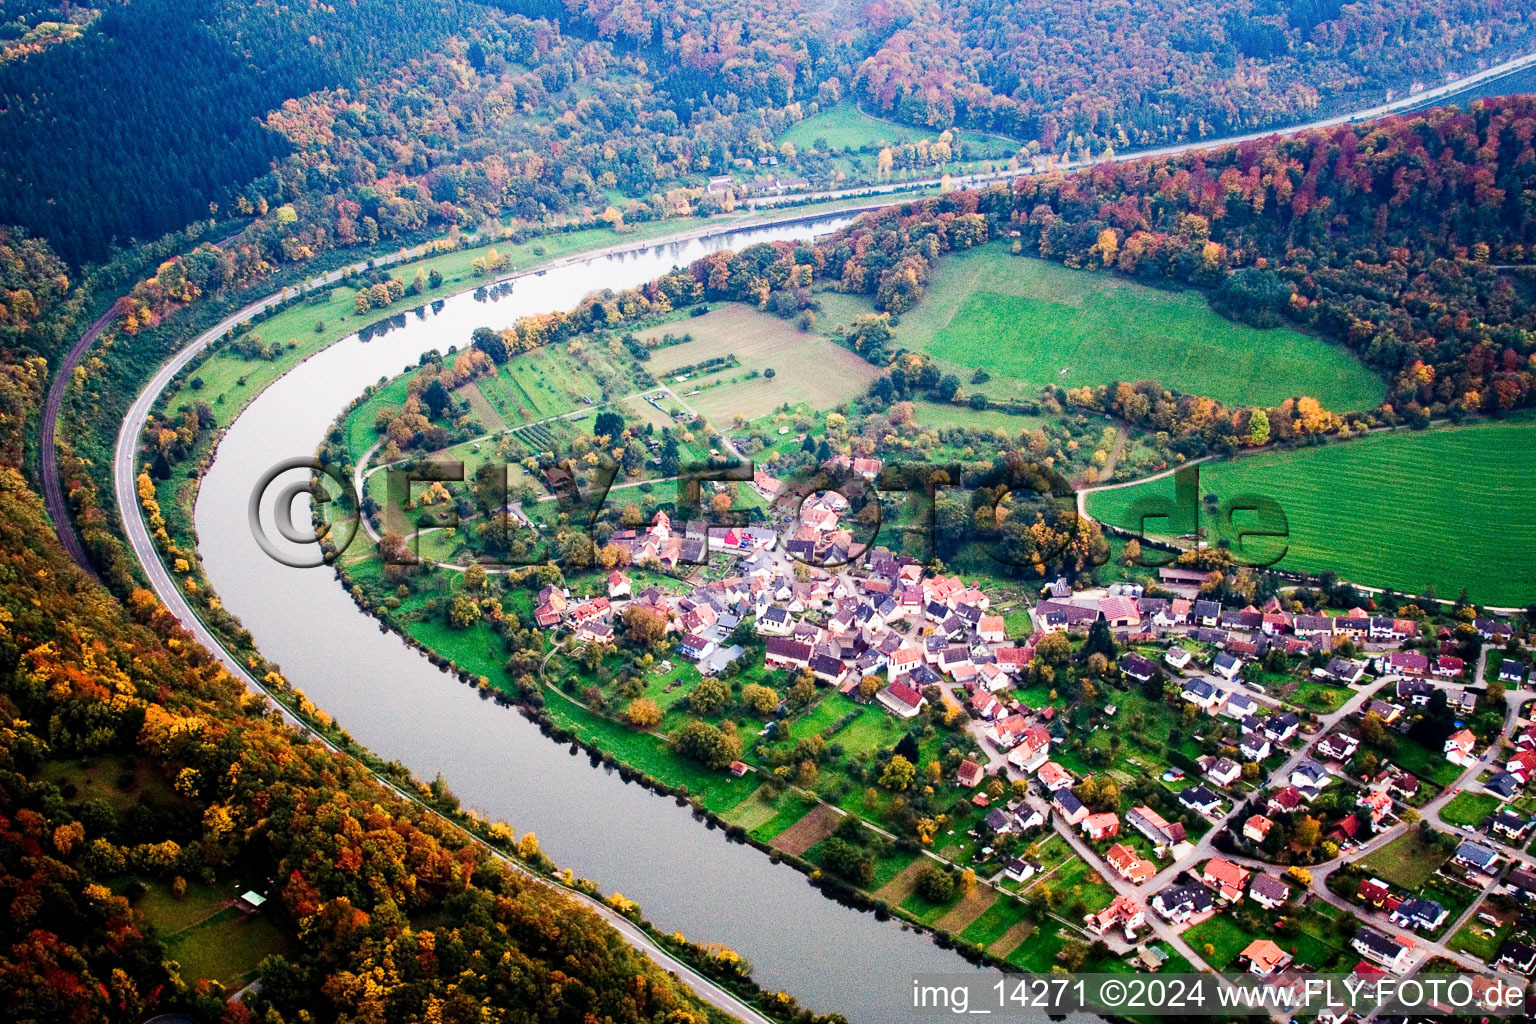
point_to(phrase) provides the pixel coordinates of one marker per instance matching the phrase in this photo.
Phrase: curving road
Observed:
(53, 494)
(170, 594)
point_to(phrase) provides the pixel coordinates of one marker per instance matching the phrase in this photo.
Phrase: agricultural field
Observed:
(1031, 322)
(808, 368)
(1394, 509)
(554, 380)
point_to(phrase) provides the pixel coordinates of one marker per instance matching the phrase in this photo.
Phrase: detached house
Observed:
(1263, 957)
(1459, 746)
(1256, 828)
(1378, 947)
(1419, 915)
(1101, 826)
(1203, 695)
(1268, 891)
(1225, 879)
(1122, 912)
(1069, 807)
(1475, 857)
(901, 700)
(1137, 667)
(783, 652)
(1129, 865)
(1182, 904)
(1152, 825)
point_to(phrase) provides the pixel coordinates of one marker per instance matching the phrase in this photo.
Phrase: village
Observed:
(1319, 800)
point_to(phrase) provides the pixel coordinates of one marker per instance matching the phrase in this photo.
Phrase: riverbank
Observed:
(403, 711)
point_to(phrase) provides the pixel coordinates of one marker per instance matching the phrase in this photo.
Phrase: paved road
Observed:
(967, 180)
(53, 494)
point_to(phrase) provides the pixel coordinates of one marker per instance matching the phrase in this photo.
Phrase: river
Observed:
(684, 876)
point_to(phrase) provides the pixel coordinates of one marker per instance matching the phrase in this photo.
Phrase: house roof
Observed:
(1264, 954)
(1224, 872)
(1269, 887)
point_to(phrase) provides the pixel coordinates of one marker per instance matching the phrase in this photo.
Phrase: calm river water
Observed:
(686, 877)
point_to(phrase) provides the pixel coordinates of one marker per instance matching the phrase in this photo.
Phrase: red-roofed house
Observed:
(1458, 748)
(1130, 865)
(1101, 826)
(1226, 878)
(901, 700)
(969, 774)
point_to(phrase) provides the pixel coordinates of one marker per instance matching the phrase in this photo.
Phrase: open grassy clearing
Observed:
(1469, 808)
(1031, 322)
(1405, 862)
(226, 947)
(940, 415)
(846, 126)
(1445, 508)
(807, 368)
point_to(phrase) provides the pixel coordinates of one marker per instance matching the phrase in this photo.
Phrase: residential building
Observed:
(1263, 957)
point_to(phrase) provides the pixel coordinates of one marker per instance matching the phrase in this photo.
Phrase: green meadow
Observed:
(1030, 322)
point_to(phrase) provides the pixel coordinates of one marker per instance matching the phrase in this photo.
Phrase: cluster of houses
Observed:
(887, 618)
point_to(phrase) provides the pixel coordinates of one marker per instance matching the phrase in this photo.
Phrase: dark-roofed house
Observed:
(1520, 882)
(828, 669)
(1382, 949)
(1181, 904)
(1137, 667)
(1517, 957)
(1419, 915)
(1200, 800)
(1475, 856)
(1510, 827)
(1069, 807)
(1511, 672)
(1206, 613)
(1280, 728)
(1268, 891)
(1492, 629)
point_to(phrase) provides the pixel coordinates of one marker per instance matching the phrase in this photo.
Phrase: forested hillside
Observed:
(154, 114)
(158, 113)
(1391, 238)
(139, 780)
(1109, 73)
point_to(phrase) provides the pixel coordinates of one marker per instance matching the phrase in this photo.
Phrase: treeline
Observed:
(1083, 75)
(1388, 238)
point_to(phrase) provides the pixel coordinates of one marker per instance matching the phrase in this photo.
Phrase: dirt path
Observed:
(812, 828)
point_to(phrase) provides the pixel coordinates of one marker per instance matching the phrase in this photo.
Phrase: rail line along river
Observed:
(387, 695)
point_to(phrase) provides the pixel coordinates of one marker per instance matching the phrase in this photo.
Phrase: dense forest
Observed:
(1097, 73)
(153, 116)
(158, 114)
